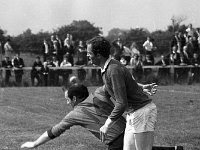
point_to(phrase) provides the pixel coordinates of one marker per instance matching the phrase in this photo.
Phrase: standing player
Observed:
(129, 97)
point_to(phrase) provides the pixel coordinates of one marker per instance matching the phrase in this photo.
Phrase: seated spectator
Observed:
(123, 60)
(36, 71)
(18, 64)
(51, 74)
(148, 71)
(55, 61)
(65, 73)
(65, 62)
(196, 70)
(137, 64)
(163, 73)
(45, 73)
(6, 63)
(175, 56)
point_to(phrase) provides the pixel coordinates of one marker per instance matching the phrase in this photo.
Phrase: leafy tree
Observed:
(81, 30)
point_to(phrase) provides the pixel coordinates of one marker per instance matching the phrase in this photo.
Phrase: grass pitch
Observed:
(25, 113)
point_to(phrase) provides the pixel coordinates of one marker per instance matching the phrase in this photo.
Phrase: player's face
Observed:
(94, 59)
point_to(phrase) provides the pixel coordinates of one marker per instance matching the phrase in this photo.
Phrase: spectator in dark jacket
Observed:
(18, 64)
(36, 71)
(6, 63)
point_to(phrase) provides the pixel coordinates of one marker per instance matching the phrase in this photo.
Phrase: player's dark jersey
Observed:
(92, 114)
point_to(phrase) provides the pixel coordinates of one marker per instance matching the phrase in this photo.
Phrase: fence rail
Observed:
(90, 73)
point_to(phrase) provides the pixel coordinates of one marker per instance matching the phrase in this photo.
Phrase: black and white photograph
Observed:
(100, 74)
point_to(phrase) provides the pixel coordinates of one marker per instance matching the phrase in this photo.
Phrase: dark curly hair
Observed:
(100, 46)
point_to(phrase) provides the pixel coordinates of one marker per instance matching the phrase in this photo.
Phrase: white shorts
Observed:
(142, 120)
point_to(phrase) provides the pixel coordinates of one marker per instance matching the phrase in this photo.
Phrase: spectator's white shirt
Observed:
(56, 63)
(148, 45)
(65, 64)
(190, 31)
(127, 51)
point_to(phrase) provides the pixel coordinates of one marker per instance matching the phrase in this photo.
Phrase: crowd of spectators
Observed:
(184, 50)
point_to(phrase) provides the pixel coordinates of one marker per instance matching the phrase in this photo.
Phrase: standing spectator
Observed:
(118, 49)
(8, 49)
(56, 50)
(196, 70)
(36, 71)
(6, 63)
(148, 46)
(46, 50)
(60, 49)
(190, 31)
(69, 50)
(190, 47)
(18, 64)
(134, 49)
(57, 71)
(82, 53)
(179, 41)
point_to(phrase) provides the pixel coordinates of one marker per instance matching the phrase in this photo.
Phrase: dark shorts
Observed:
(117, 144)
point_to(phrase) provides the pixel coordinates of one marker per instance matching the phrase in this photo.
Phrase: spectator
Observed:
(56, 50)
(123, 60)
(190, 31)
(134, 49)
(175, 56)
(6, 63)
(148, 46)
(55, 61)
(18, 64)
(163, 73)
(69, 50)
(60, 49)
(195, 45)
(118, 49)
(190, 47)
(137, 64)
(45, 73)
(196, 70)
(36, 71)
(179, 41)
(82, 54)
(8, 49)
(65, 62)
(46, 50)
(65, 73)
(148, 71)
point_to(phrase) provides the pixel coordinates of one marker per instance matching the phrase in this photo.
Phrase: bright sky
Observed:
(18, 15)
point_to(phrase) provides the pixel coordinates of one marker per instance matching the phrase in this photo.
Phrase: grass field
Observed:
(25, 113)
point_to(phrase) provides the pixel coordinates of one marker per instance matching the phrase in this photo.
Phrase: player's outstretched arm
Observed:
(41, 140)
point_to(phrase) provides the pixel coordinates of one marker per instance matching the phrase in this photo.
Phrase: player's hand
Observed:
(150, 88)
(28, 145)
(103, 132)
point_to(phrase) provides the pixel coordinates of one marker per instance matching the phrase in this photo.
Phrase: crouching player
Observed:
(90, 112)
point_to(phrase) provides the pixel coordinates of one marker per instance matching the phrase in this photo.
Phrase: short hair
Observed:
(100, 46)
(78, 90)
(37, 57)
